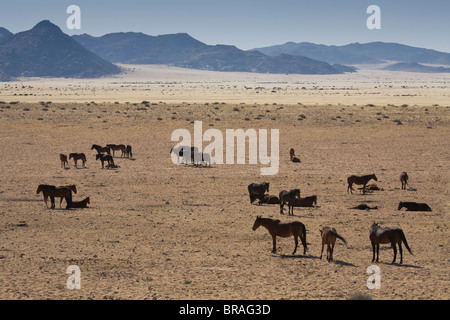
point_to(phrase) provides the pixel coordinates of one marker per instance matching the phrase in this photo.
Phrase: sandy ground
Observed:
(155, 230)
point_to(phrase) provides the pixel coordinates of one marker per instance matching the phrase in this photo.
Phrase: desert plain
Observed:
(156, 230)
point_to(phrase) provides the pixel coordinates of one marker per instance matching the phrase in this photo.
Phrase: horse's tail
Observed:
(340, 237)
(403, 238)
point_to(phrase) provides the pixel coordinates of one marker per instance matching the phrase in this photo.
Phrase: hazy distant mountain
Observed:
(416, 67)
(45, 51)
(184, 51)
(4, 34)
(357, 53)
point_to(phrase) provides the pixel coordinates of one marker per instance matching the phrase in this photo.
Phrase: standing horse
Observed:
(256, 191)
(363, 180)
(129, 152)
(329, 236)
(288, 197)
(404, 180)
(71, 187)
(78, 156)
(283, 229)
(63, 159)
(101, 149)
(52, 192)
(391, 235)
(117, 147)
(103, 158)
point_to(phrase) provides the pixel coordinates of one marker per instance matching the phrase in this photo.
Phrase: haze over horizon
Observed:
(246, 24)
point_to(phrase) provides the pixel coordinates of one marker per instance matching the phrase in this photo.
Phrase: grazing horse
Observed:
(101, 149)
(128, 152)
(53, 191)
(363, 180)
(283, 229)
(270, 199)
(103, 158)
(117, 147)
(404, 180)
(63, 159)
(289, 198)
(256, 191)
(305, 202)
(414, 206)
(390, 235)
(329, 236)
(78, 156)
(81, 204)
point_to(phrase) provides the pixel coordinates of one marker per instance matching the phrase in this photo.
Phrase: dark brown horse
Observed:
(101, 149)
(81, 204)
(283, 229)
(270, 199)
(78, 156)
(360, 180)
(288, 197)
(404, 180)
(329, 236)
(394, 236)
(63, 159)
(305, 202)
(105, 157)
(117, 147)
(129, 152)
(71, 187)
(257, 190)
(53, 191)
(414, 206)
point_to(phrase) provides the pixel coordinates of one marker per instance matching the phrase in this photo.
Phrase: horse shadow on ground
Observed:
(401, 265)
(203, 167)
(300, 256)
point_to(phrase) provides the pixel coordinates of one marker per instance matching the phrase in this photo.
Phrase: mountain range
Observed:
(46, 51)
(358, 53)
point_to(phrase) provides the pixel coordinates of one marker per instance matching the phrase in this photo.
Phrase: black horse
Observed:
(256, 191)
(414, 206)
(103, 158)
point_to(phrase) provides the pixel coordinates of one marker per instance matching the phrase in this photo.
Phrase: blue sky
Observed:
(247, 23)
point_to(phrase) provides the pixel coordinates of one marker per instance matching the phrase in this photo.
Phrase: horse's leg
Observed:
(373, 251)
(281, 207)
(274, 240)
(321, 252)
(332, 250)
(45, 199)
(60, 201)
(394, 247)
(401, 251)
(296, 243)
(52, 199)
(378, 252)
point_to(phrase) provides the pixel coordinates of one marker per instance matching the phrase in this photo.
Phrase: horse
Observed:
(363, 180)
(188, 157)
(128, 152)
(63, 159)
(202, 157)
(103, 158)
(305, 202)
(414, 206)
(101, 149)
(71, 187)
(256, 191)
(289, 198)
(404, 179)
(283, 229)
(364, 206)
(270, 199)
(78, 156)
(81, 204)
(329, 236)
(292, 154)
(392, 235)
(117, 147)
(53, 191)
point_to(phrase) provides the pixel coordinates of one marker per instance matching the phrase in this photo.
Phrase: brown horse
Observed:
(117, 147)
(289, 198)
(103, 158)
(414, 206)
(53, 191)
(101, 149)
(71, 187)
(63, 159)
(81, 204)
(270, 199)
(129, 152)
(404, 180)
(78, 156)
(305, 202)
(257, 190)
(292, 154)
(283, 229)
(329, 236)
(363, 180)
(391, 235)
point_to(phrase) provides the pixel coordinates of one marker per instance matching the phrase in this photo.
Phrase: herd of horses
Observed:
(378, 235)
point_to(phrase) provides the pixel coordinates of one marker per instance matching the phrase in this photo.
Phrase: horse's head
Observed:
(73, 188)
(266, 186)
(375, 177)
(257, 223)
(315, 199)
(71, 155)
(400, 205)
(39, 189)
(297, 193)
(88, 200)
(374, 226)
